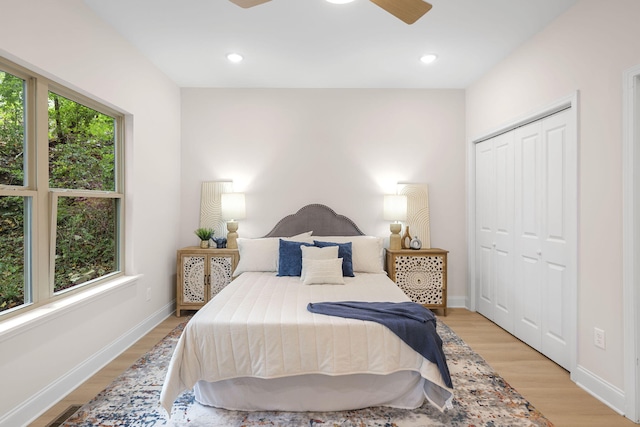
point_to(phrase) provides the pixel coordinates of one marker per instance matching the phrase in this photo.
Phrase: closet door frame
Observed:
(568, 102)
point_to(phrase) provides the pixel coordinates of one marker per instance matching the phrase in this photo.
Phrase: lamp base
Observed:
(394, 239)
(232, 235)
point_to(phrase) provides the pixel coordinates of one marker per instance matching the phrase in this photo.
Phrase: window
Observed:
(61, 190)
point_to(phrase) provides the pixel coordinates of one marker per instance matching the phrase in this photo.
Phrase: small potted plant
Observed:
(205, 234)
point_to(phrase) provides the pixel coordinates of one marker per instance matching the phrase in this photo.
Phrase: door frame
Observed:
(569, 101)
(631, 238)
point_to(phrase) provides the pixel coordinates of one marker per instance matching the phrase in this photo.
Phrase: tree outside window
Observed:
(82, 201)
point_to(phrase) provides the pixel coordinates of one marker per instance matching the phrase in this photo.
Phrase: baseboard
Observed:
(457, 302)
(32, 408)
(608, 394)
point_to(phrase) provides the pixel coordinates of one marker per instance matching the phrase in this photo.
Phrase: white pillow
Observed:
(323, 271)
(367, 251)
(313, 252)
(262, 254)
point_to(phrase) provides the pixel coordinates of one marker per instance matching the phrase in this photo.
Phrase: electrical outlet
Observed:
(598, 338)
(148, 294)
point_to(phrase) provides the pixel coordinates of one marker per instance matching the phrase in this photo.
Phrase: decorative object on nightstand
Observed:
(233, 208)
(418, 218)
(395, 209)
(421, 274)
(221, 242)
(205, 234)
(211, 205)
(416, 243)
(406, 238)
(201, 274)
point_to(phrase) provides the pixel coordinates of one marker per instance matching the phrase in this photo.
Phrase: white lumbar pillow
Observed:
(313, 252)
(323, 271)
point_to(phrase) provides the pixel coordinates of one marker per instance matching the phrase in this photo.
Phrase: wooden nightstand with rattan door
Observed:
(201, 274)
(421, 274)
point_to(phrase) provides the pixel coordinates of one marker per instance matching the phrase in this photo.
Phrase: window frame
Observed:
(40, 234)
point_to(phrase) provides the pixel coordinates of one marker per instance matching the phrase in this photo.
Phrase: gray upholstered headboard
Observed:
(320, 219)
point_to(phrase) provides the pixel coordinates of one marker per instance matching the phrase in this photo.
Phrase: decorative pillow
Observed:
(345, 252)
(368, 252)
(301, 236)
(323, 271)
(315, 252)
(290, 258)
(262, 254)
(257, 255)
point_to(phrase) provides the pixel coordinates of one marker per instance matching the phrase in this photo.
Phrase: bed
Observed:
(256, 346)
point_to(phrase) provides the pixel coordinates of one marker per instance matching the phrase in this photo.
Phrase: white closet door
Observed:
(528, 194)
(485, 229)
(504, 230)
(525, 187)
(556, 237)
(494, 229)
(542, 191)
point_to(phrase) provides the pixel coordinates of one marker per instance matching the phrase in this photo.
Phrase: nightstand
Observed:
(201, 274)
(421, 274)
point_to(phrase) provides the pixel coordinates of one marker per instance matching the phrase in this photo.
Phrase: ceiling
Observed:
(315, 44)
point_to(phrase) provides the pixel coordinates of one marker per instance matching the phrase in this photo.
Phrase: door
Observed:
(542, 261)
(495, 224)
(528, 184)
(525, 233)
(485, 229)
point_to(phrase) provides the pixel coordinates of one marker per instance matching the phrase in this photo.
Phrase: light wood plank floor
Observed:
(542, 382)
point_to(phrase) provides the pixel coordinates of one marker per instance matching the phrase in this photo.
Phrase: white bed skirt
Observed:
(314, 392)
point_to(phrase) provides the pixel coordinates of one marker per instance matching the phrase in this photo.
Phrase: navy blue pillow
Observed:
(290, 258)
(345, 252)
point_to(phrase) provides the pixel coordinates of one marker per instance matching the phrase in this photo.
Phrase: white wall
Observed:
(286, 148)
(586, 49)
(63, 39)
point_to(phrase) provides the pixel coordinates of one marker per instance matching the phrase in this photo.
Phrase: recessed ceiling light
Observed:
(234, 57)
(339, 1)
(429, 58)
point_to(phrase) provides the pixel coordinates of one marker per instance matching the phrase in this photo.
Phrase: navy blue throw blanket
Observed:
(413, 323)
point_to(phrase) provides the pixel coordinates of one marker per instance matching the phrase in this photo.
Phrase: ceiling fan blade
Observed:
(408, 11)
(248, 3)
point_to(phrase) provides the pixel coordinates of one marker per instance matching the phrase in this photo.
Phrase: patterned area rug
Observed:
(483, 398)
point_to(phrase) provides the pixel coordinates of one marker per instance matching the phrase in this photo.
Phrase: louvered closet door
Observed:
(541, 267)
(495, 228)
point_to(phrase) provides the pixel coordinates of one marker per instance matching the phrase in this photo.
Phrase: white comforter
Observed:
(259, 326)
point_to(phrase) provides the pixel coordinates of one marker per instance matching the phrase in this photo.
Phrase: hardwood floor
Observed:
(105, 376)
(546, 385)
(542, 382)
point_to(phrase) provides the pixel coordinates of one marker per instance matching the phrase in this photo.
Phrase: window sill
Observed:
(32, 318)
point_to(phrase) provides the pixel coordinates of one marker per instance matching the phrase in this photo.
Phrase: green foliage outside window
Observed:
(12, 135)
(12, 250)
(81, 146)
(86, 240)
(82, 156)
(12, 129)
